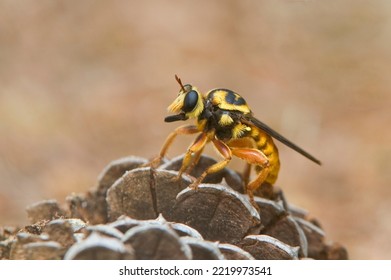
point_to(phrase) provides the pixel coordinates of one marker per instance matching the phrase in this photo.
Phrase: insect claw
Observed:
(250, 195)
(194, 185)
(254, 204)
(154, 163)
(179, 176)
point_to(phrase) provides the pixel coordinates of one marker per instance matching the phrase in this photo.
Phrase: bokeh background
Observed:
(84, 83)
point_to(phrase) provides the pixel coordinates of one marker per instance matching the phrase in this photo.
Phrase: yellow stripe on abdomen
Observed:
(266, 145)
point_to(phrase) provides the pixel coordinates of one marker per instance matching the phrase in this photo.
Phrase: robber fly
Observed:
(224, 118)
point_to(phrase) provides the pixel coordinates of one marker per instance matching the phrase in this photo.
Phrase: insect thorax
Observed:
(225, 123)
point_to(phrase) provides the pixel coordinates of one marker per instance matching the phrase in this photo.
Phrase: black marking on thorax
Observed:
(234, 98)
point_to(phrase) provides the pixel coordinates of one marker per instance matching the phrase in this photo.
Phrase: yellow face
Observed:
(188, 104)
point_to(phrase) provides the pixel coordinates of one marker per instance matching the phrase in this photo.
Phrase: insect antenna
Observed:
(179, 82)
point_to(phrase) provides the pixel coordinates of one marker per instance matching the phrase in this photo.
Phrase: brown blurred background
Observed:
(85, 83)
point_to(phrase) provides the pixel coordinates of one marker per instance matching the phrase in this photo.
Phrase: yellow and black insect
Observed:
(224, 118)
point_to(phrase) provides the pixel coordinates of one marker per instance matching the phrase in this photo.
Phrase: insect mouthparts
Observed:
(174, 118)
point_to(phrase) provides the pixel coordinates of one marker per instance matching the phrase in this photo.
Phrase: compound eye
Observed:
(190, 102)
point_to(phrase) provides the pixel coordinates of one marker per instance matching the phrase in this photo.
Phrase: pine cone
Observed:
(136, 212)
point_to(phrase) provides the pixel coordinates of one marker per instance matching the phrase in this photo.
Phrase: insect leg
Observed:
(254, 156)
(195, 160)
(182, 130)
(246, 174)
(195, 148)
(246, 142)
(223, 150)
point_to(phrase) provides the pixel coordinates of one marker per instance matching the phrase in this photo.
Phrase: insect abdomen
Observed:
(266, 145)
